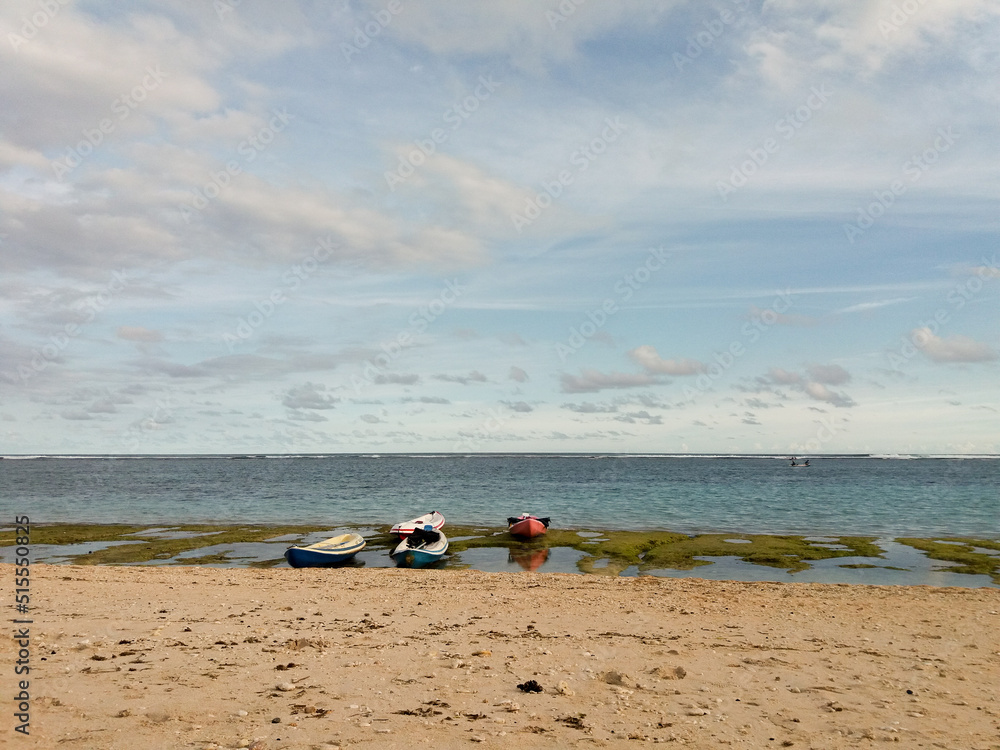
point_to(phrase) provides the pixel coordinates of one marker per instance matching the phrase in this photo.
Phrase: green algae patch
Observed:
(614, 551)
(619, 550)
(75, 533)
(792, 553)
(219, 558)
(156, 546)
(961, 550)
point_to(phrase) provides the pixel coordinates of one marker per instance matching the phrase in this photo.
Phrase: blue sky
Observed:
(581, 226)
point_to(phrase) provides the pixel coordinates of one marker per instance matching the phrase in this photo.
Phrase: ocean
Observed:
(885, 497)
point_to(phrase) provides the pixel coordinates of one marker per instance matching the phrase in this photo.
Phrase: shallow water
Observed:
(901, 565)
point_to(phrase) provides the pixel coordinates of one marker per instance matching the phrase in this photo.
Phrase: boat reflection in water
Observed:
(529, 558)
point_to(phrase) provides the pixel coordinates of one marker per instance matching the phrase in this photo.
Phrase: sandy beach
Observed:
(187, 657)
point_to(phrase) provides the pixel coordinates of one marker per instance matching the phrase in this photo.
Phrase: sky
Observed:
(513, 226)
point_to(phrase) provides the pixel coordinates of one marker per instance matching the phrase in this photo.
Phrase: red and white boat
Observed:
(526, 526)
(433, 519)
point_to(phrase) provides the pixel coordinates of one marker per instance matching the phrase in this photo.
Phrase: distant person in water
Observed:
(793, 461)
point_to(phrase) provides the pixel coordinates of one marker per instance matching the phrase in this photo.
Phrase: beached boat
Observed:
(433, 519)
(526, 526)
(420, 548)
(331, 551)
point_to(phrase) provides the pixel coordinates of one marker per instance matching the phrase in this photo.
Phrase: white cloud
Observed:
(985, 272)
(820, 392)
(591, 381)
(473, 377)
(309, 396)
(756, 403)
(428, 400)
(648, 359)
(306, 416)
(954, 348)
(804, 38)
(463, 191)
(138, 333)
(814, 385)
(589, 408)
(866, 306)
(828, 374)
(783, 377)
(642, 416)
(519, 406)
(393, 378)
(75, 72)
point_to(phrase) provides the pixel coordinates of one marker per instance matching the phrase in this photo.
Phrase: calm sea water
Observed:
(834, 496)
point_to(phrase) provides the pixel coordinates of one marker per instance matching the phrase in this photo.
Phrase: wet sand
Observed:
(188, 657)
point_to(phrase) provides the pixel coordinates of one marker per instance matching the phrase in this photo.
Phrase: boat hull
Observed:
(334, 551)
(527, 527)
(407, 556)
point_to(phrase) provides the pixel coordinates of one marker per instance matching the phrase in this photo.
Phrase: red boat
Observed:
(527, 526)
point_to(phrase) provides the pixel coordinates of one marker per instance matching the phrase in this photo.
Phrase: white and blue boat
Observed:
(433, 519)
(338, 549)
(421, 548)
